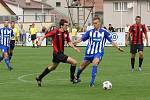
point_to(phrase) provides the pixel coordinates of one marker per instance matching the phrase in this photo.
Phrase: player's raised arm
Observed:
(45, 36)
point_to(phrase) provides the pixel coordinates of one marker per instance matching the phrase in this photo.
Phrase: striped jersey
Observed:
(58, 39)
(96, 40)
(5, 36)
(136, 31)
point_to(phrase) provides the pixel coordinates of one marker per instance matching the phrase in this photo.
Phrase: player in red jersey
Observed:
(136, 32)
(59, 37)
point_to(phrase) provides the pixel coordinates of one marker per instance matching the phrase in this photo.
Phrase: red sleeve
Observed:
(68, 37)
(51, 33)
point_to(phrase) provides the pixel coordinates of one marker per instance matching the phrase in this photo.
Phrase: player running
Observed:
(59, 37)
(6, 34)
(95, 49)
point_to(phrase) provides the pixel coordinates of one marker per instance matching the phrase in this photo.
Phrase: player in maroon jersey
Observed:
(136, 32)
(59, 37)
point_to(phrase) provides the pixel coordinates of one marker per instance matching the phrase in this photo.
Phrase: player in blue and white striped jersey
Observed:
(95, 49)
(5, 36)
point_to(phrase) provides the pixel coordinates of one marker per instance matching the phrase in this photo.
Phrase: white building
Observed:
(30, 10)
(122, 12)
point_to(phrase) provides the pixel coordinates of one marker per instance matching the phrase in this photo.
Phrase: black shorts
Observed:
(33, 37)
(135, 47)
(60, 57)
(12, 44)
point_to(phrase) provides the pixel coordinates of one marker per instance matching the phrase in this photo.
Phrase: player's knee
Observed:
(95, 62)
(5, 55)
(141, 54)
(74, 63)
(52, 68)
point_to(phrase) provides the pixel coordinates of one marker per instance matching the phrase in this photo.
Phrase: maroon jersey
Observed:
(58, 39)
(136, 31)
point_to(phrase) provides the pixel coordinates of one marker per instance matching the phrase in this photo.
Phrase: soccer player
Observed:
(33, 32)
(136, 32)
(13, 40)
(95, 49)
(5, 36)
(16, 31)
(59, 37)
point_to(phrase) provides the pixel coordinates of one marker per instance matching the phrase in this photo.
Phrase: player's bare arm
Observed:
(40, 40)
(116, 46)
(72, 45)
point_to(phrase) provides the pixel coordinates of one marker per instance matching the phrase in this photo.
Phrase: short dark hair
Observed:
(62, 21)
(138, 17)
(96, 18)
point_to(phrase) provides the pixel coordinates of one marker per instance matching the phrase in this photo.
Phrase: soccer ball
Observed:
(107, 85)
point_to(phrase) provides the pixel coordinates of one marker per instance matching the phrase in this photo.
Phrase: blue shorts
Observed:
(4, 49)
(92, 57)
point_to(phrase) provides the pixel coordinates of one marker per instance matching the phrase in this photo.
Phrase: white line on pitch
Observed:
(20, 78)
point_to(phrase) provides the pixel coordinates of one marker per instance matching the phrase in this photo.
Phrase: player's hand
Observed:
(75, 43)
(77, 49)
(120, 49)
(39, 43)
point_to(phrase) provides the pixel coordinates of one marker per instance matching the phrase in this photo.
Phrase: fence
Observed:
(44, 18)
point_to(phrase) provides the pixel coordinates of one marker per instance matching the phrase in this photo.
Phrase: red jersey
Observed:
(58, 39)
(136, 31)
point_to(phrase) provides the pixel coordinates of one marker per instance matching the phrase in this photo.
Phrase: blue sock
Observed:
(1, 58)
(94, 72)
(7, 62)
(78, 73)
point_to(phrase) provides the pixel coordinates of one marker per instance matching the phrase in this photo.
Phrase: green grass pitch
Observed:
(27, 62)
